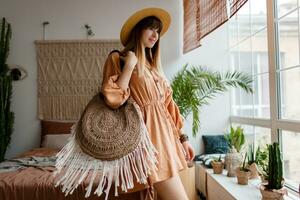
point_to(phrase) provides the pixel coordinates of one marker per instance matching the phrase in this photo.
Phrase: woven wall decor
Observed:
(69, 75)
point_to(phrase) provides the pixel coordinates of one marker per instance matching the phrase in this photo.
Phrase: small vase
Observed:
(217, 167)
(242, 176)
(254, 171)
(233, 160)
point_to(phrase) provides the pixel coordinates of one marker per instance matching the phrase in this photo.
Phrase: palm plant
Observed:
(193, 87)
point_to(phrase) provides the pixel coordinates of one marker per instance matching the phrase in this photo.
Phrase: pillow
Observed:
(55, 128)
(55, 141)
(215, 144)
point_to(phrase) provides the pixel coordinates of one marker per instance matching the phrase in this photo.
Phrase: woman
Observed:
(142, 79)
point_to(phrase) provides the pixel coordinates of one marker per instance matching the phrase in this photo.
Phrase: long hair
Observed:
(152, 55)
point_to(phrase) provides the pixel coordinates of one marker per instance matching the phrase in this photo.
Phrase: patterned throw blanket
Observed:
(32, 161)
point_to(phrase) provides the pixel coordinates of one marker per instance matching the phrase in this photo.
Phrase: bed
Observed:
(34, 180)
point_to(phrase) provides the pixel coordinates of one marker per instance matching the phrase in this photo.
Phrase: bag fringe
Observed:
(73, 165)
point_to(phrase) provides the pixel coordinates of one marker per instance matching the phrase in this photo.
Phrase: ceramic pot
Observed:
(270, 195)
(242, 176)
(217, 167)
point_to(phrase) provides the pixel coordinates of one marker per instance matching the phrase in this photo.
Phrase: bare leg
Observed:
(171, 189)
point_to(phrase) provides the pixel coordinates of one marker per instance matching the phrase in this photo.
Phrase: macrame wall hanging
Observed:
(69, 74)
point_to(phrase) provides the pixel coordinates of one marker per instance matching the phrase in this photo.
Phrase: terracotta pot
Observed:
(233, 160)
(270, 195)
(254, 171)
(242, 176)
(217, 167)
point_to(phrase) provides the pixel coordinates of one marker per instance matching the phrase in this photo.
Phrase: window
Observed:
(272, 56)
(291, 156)
(259, 135)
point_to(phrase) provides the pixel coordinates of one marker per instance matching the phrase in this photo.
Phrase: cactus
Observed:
(6, 116)
(275, 179)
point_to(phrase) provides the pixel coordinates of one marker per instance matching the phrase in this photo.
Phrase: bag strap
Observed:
(120, 54)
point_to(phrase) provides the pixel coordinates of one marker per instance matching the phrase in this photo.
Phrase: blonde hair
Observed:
(152, 55)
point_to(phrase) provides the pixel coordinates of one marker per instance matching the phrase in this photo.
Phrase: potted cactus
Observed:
(273, 189)
(252, 161)
(6, 116)
(236, 141)
(243, 173)
(217, 165)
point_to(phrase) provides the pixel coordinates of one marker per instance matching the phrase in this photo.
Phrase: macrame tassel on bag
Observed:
(73, 167)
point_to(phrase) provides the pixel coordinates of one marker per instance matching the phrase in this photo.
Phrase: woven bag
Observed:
(112, 143)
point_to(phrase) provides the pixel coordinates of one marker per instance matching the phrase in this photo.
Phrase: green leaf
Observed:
(194, 86)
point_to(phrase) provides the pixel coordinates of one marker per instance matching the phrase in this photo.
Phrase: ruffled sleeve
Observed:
(173, 109)
(114, 96)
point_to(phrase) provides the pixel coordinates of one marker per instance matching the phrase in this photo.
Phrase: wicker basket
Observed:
(217, 167)
(242, 176)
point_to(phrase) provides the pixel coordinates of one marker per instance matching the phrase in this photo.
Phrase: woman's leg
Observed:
(171, 189)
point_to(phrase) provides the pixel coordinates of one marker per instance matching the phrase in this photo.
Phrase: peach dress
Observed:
(161, 115)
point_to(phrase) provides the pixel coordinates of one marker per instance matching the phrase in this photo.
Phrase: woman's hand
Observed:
(130, 59)
(189, 150)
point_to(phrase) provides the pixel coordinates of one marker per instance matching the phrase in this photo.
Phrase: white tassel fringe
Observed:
(73, 166)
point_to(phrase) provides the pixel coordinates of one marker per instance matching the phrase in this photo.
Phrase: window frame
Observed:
(275, 123)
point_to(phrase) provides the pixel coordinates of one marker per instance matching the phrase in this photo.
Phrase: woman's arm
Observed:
(130, 61)
(115, 82)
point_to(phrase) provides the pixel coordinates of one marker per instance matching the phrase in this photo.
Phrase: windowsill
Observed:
(245, 192)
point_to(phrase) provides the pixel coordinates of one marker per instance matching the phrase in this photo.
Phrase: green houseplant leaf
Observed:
(194, 86)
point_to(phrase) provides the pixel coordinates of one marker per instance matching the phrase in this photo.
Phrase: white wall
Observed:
(214, 118)
(67, 18)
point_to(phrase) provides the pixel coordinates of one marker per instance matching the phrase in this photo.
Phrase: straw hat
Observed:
(161, 14)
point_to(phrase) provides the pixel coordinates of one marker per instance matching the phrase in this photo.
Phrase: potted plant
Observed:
(252, 161)
(6, 116)
(262, 160)
(217, 165)
(236, 141)
(243, 173)
(274, 188)
(192, 88)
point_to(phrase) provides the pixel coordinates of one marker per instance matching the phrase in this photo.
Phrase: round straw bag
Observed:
(108, 134)
(113, 144)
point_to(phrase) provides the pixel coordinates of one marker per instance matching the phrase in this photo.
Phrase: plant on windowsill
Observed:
(252, 161)
(274, 188)
(262, 159)
(217, 165)
(243, 173)
(236, 141)
(193, 87)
